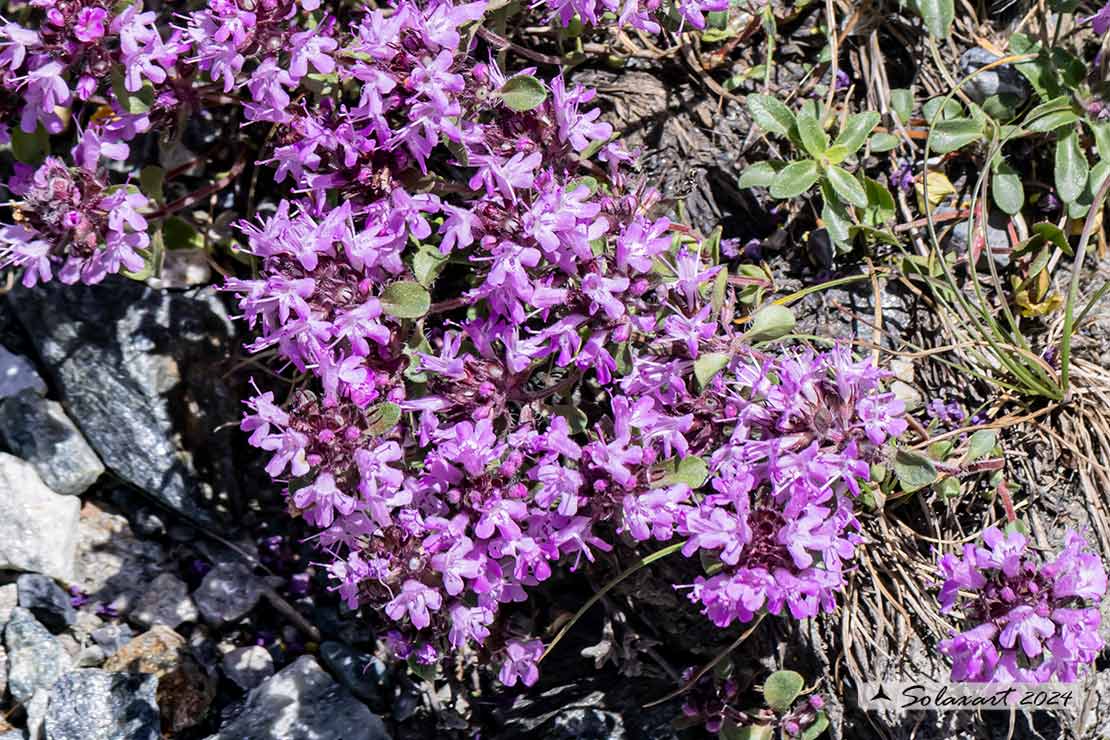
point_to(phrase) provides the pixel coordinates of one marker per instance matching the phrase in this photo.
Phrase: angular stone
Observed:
(89, 704)
(248, 666)
(302, 702)
(114, 566)
(166, 601)
(112, 637)
(228, 592)
(46, 600)
(185, 689)
(36, 659)
(17, 374)
(136, 369)
(38, 430)
(38, 528)
(9, 599)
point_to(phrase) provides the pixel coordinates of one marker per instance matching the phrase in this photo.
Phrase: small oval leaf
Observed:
(406, 300)
(781, 689)
(523, 93)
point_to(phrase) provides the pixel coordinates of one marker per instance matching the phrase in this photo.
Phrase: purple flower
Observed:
(520, 662)
(1100, 21)
(90, 24)
(415, 600)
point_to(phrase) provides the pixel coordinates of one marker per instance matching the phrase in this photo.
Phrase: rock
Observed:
(9, 599)
(185, 689)
(36, 713)
(1000, 90)
(166, 601)
(89, 704)
(46, 600)
(35, 657)
(3, 671)
(248, 666)
(227, 593)
(114, 567)
(112, 637)
(302, 702)
(38, 528)
(17, 374)
(360, 673)
(38, 430)
(998, 238)
(136, 370)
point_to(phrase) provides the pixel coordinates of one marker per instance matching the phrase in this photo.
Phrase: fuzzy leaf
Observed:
(770, 322)
(427, 263)
(781, 689)
(981, 444)
(770, 114)
(815, 730)
(856, 130)
(150, 179)
(760, 174)
(30, 148)
(406, 300)
(901, 100)
(914, 470)
(1071, 168)
(795, 179)
(523, 93)
(690, 470)
(847, 187)
(1007, 190)
(383, 417)
(814, 138)
(708, 365)
(948, 136)
(883, 142)
(938, 16)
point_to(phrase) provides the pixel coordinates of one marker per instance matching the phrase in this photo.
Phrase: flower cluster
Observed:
(1034, 620)
(642, 15)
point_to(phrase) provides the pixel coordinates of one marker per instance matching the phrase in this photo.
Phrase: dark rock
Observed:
(166, 601)
(1000, 90)
(38, 528)
(35, 657)
(362, 674)
(136, 369)
(302, 702)
(228, 592)
(89, 704)
(17, 374)
(112, 637)
(38, 430)
(185, 689)
(114, 567)
(248, 666)
(46, 600)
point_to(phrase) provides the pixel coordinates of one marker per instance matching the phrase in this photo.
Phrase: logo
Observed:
(938, 696)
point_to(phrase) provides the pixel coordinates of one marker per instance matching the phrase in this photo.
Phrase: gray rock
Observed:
(998, 238)
(1000, 90)
(9, 599)
(362, 674)
(17, 374)
(36, 713)
(114, 566)
(13, 735)
(136, 370)
(89, 704)
(248, 666)
(3, 670)
(46, 600)
(38, 430)
(38, 528)
(36, 659)
(112, 637)
(302, 702)
(166, 601)
(227, 593)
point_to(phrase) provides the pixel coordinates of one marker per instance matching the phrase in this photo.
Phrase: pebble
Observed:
(90, 704)
(38, 430)
(248, 666)
(112, 637)
(228, 592)
(166, 601)
(300, 702)
(17, 374)
(36, 659)
(9, 599)
(362, 674)
(46, 600)
(38, 527)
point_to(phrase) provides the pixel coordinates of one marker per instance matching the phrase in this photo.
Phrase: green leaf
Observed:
(1071, 168)
(914, 470)
(152, 259)
(981, 444)
(815, 730)
(575, 417)
(1006, 188)
(132, 102)
(150, 180)
(943, 109)
(847, 187)
(781, 689)
(880, 203)
(938, 16)
(856, 130)
(794, 179)
(770, 322)
(947, 487)
(406, 300)
(690, 470)
(1050, 121)
(30, 148)
(383, 417)
(883, 142)
(523, 93)
(708, 365)
(180, 234)
(732, 731)
(427, 263)
(761, 174)
(770, 114)
(814, 138)
(1101, 130)
(901, 100)
(834, 215)
(948, 136)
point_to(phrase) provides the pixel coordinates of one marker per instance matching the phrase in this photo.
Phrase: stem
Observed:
(1073, 290)
(1007, 502)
